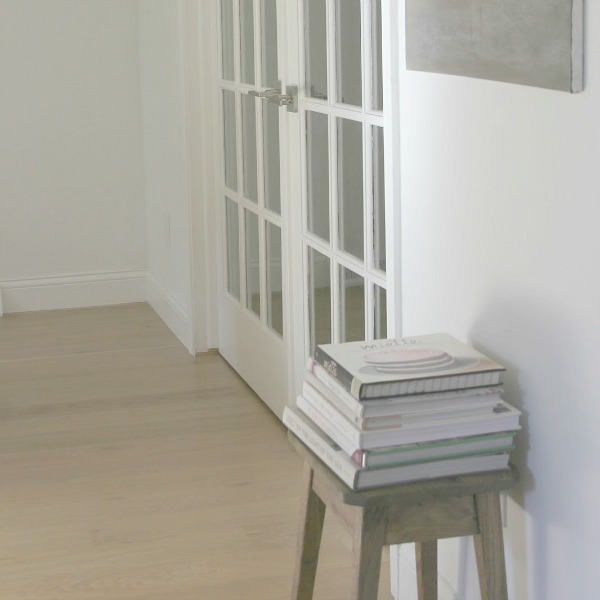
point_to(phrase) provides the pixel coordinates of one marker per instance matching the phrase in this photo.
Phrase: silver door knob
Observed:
(289, 99)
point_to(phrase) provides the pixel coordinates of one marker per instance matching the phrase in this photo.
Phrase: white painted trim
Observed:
(73, 291)
(196, 40)
(392, 14)
(171, 312)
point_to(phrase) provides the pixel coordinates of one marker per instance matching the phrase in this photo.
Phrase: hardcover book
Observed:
(382, 409)
(357, 477)
(401, 416)
(406, 366)
(347, 435)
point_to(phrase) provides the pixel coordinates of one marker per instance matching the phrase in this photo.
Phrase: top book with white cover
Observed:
(411, 365)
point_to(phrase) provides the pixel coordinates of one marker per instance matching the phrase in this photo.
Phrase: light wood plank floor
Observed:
(131, 470)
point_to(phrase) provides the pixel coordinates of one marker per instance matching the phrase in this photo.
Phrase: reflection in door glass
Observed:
(350, 187)
(252, 263)
(315, 44)
(348, 52)
(232, 230)
(271, 158)
(319, 299)
(376, 56)
(270, 71)
(352, 306)
(380, 316)
(229, 140)
(317, 172)
(249, 147)
(227, 61)
(378, 199)
(274, 279)
(247, 41)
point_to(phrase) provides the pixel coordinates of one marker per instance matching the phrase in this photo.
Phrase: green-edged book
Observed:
(357, 477)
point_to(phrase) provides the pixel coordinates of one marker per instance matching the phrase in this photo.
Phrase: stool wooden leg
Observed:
(309, 540)
(427, 583)
(369, 531)
(489, 547)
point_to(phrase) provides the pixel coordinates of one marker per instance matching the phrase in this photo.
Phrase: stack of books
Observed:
(397, 410)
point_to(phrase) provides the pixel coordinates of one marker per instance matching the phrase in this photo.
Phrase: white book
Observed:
(330, 387)
(348, 435)
(402, 415)
(405, 366)
(358, 478)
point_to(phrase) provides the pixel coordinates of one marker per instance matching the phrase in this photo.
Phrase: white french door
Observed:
(305, 185)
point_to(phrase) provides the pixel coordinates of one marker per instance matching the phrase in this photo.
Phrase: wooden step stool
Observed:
(421, 512)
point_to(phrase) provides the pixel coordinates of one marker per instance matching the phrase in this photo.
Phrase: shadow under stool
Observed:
(421, 512)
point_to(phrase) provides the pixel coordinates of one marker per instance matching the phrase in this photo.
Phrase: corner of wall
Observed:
(174, 315)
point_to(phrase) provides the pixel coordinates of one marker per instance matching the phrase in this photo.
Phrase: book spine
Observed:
(432, 384)
(423, 417)
(353, 406)
(337, 371)
(339, 464)
(346, 439)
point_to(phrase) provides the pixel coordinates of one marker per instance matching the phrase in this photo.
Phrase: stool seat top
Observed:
(458, 485)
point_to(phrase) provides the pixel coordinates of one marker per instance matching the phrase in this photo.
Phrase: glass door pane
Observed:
(274, 279)
(349, 52)
(271, 157)
(230, 140)
(270, 68)
(252, 263)
(376, 57)
(378, 199)
(319, 298)
(350, 187)
(249, 147)
(317, 176)
(315, 41)
(352, 306)
(232, 232)
(247, 41)
(227, 41)
(380, 313)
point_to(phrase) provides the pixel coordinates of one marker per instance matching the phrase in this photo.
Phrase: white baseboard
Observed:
(175, 316)
(72, 291)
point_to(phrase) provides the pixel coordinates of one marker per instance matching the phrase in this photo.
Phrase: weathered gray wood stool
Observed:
(421, 512)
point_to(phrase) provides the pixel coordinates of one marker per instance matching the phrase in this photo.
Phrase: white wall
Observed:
(163, 112)
(72, 222)
(500, 214)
